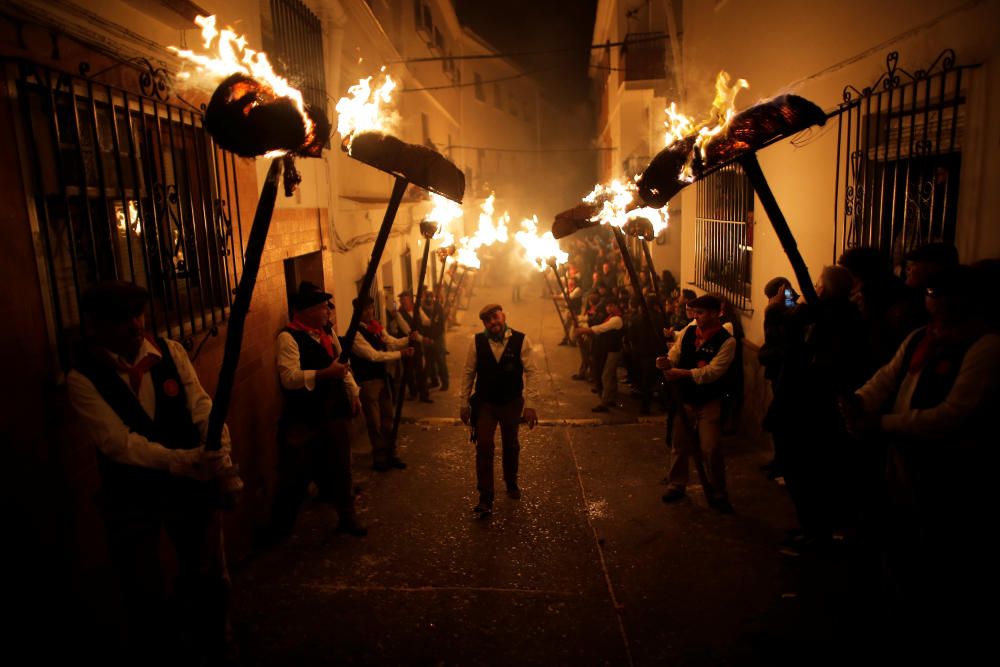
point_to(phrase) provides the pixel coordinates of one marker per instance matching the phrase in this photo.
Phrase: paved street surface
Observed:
(590, 567)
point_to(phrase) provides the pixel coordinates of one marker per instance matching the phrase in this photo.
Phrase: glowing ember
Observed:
(680, 126)
(365, 110)
(229, 55)
(539, 249)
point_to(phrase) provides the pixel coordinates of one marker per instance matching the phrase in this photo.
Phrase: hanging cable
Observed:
(519, 54)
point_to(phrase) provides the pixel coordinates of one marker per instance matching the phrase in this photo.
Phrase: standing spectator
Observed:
(697, 361)
(140, 401)
(321, 397)
(414, 323)
(608, 336)
(437, 351)
(781, 298)
(373, 348)
(499, 372)
(936, 403)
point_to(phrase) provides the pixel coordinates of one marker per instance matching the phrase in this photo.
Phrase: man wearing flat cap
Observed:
(140, 401)
(321, 397)
(500, 367)
(697, 362)
(372, 350)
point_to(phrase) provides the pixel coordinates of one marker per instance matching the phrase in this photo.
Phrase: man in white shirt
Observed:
(139, 400)
(373, 349)
(321, 397)
(697, 362)
(500, 366)
(607, 336)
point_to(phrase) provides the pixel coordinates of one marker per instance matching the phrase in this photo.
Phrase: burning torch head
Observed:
(749, 131)
(417, 164)
(245, 117)
(428, 229)
(640, 228)
(573, 220)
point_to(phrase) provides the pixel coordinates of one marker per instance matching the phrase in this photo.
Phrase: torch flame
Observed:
(680, 126)
(365, 109)
(618, 201)
(539, 249)
(233, 57)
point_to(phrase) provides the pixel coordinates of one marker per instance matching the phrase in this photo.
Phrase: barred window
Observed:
(899, 158)
(724, 235)
(128, 187)
(298, 47)
(480, 93)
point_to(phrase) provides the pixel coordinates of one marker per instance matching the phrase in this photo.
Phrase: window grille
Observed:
(724, 235)
(128, 187)
(899, 150)
(480, 93)
(298, 47)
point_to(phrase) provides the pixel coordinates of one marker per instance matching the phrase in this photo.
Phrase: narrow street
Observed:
(590, 567)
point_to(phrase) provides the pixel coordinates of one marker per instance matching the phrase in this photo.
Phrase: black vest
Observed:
(365, 369)
(171, 427)
(939, 372)
(699, 394)
(328, 399)
(412, 321)
(499, 382)
(611, 341)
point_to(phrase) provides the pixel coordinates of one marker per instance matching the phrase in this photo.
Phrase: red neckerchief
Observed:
(140, 368)
(324, 337)
(702, 336)
(375, 327)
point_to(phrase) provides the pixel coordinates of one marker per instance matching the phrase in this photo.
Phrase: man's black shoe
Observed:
(397, 463)
(577, 376)
(432, 384)
(426, 399)
(444, 387)
(483, 510)
(513, 492)
(672, 495)
(381, 466)
(600, 408)
(351, 527)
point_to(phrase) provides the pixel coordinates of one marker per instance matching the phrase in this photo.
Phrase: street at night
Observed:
(499, 332)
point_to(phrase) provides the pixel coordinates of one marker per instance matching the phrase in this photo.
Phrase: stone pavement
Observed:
(590, 567)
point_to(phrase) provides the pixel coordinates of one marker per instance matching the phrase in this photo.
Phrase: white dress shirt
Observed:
(527, 360)
(110, 433)
(364, 349)
(290, 367)
(610, 324)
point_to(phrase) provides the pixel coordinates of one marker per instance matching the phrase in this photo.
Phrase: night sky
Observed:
(529, 25)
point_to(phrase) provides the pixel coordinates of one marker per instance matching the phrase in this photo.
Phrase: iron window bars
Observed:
(724, 235)
(298, 47)
(128, 187)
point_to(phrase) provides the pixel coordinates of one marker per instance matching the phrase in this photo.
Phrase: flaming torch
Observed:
(544, 252)
(252, 112)
(693, 152)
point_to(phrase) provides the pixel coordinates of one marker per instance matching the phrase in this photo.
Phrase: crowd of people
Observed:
(884, 389)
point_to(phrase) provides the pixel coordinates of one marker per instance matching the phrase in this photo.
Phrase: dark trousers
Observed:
(318, 451)
(508, 418)
(195, 621)
(437, 362)
(376, 403)
(414, 374)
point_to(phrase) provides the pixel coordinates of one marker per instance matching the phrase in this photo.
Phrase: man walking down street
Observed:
(698, 361)
(500, 367)
(371, 351)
